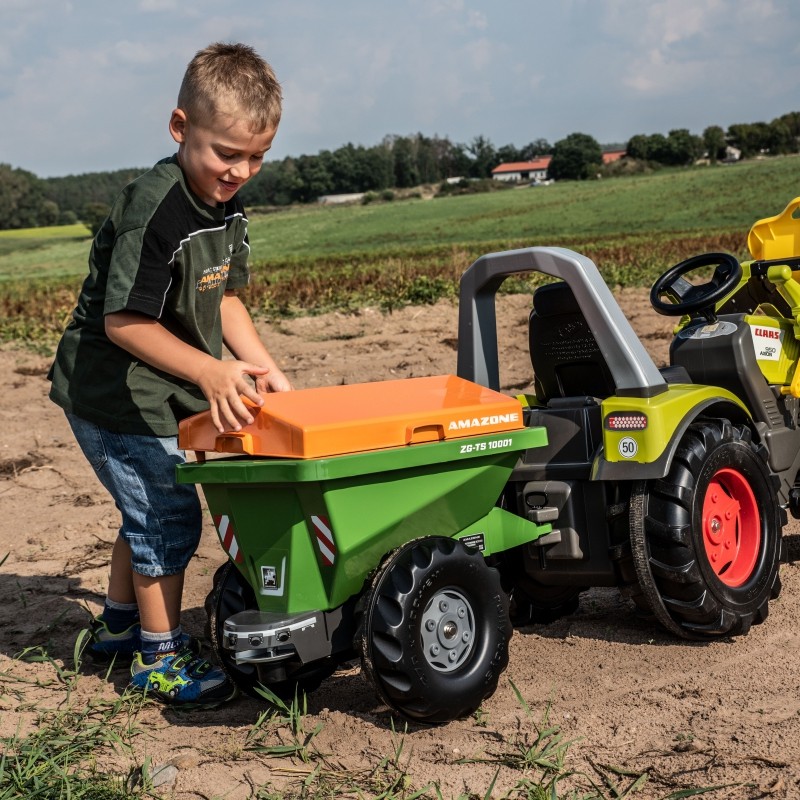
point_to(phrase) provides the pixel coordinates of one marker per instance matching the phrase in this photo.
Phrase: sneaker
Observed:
(182, 679)
(105, 645)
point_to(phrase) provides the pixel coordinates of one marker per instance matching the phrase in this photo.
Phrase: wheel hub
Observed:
(448, 630)
(731, 527)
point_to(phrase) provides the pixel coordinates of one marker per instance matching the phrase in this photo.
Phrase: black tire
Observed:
(537, 604)
(435, 630)
(706, 539)
(532, 602)
(231, 594)
(621, 552)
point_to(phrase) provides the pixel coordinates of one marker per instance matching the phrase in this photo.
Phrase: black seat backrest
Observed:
(566, 359)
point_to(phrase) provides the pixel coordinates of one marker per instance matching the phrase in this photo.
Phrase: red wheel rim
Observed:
(731, 527)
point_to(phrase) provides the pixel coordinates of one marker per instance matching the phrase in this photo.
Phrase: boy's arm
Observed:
(242, 339)
(222, 382)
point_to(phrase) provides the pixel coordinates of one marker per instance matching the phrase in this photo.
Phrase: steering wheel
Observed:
(688, 298)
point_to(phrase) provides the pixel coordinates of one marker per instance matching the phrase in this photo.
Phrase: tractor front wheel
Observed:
(706, 539)
(435, 630)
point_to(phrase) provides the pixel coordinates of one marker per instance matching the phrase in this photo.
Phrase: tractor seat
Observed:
(566, 359)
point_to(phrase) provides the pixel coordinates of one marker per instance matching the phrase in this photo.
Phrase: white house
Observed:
(535, 170)
(338, 199)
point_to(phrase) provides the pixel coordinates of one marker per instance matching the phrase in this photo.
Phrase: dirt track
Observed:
(628, 694)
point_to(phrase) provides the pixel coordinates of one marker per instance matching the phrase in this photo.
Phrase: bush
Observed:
(578, 157)
(627, 166)
(94, 215)
(475, 186)
(68, 218)
(386, 196)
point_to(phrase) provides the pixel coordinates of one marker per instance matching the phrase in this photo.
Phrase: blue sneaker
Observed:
(105, 645)
(182, 679)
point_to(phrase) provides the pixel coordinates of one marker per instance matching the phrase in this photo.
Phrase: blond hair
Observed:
(231, 78)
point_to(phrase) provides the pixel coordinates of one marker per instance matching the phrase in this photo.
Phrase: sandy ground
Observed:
(629, 696)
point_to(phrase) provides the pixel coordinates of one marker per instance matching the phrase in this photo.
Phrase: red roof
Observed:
(544, 163)
(612, 155)
(523, 166)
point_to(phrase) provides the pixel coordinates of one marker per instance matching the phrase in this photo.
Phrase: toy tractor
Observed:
(671, 484)
(411, 522)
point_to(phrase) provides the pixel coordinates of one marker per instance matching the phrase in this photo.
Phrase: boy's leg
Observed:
(120, 581)
(161, 525)
(159, 601)
(134, 602)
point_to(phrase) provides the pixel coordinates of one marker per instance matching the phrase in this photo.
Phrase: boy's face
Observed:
(220, 157)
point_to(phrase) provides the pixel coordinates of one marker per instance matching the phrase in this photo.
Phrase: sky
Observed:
(88, 85)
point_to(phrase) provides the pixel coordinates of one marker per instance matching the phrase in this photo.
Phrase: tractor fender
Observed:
(724, 405)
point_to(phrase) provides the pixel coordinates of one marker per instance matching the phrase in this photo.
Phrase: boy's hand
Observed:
(273, 381)
(242, 339)
(223, 383)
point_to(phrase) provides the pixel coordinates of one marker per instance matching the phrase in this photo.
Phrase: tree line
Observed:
(679, 147)
(398, 162)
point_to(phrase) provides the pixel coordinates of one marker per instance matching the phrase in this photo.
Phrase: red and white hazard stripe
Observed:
(325, 540)
(228, 537)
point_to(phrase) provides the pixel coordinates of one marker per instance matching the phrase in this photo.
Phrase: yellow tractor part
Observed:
(773, 239)
(776, 237)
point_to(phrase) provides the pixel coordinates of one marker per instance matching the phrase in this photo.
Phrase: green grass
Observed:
(58, 757)
(692, 200)
(35, 252)
(47, 232)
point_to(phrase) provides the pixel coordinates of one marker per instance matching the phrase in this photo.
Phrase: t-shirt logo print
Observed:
(214, 277)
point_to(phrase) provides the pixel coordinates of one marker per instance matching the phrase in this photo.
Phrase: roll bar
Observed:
(631, 367)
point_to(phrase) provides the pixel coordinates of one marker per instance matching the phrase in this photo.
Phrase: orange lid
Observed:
(333, 420)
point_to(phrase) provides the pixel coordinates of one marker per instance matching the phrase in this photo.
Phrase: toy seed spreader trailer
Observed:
(366, 530)
(413, 521)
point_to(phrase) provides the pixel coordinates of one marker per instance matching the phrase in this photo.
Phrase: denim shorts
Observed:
(161, 519)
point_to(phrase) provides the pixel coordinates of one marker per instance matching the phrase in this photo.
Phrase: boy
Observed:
(144, 350)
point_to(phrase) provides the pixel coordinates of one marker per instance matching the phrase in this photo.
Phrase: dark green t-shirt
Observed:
(165, 254)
